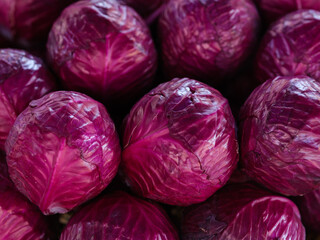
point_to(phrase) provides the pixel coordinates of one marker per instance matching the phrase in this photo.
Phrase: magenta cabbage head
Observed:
(179, 143)
(290, 47)
(120, 216)
(274, 9)
(309, 205)
(207, 39)
(62, 150)
(19, 219)
(29, 21)
(102, 48)
(281, 135)
(243, 211)
(23, 78)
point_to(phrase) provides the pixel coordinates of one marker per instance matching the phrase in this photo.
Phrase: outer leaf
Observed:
(23, 78)
(120, 216)
(27, 22)
(291, 47)
(19, 219)
(280, 129)
(102, 48)
(206, 39)
(179, 143)
(243, 212)
(274, 9)
(62, 151)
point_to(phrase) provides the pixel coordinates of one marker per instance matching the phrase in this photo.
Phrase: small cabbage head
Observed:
(243, 211)
(291, 47)
(28, 22)
(280, 135)
(23, 78)
(205, 39)
(179, 143)
(102, 48)
(120, 216)
(62, 151)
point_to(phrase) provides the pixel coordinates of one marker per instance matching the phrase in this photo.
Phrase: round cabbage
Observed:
(274, 9)
(309, 205)
(62, 150)
(280, 130)
(179, 143)
(206, 39)
(28, 22)
(291, 47)
(102, 48)
(243, 211)
(23, 77)
(19, 219)
(120, 216)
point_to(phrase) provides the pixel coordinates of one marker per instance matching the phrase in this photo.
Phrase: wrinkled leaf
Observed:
(102, 48)
(243, 211)
(28, 22)
(206, 40)
(291, 47)
(62, 151)
(120, 216)
(281, 135)
(23, 78)
(179, 143)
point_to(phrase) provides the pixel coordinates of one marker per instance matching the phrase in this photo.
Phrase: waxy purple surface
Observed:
(205, 39)
(120, 216)
(280, 135)
(23, 78)
(102, 48)
(243, 211)
(29, 21)
(274, 9)
(291, 47)
(19, 219)
(179, 143)
(62, 151)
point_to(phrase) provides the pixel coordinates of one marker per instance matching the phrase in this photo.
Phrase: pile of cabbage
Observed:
(176, 119)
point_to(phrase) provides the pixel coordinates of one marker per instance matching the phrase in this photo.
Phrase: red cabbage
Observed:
(120, 216)
(243, 211)
(23, 77)
(274, 9)
(206, 39)
(281, 135)
(62, 150)
(102, 48)
(291, 47)
(179, 143)
(19, 219)
(28, 22)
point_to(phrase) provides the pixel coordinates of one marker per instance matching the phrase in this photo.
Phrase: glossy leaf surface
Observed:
(280, 131)
(62, 151)
(179, 143)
